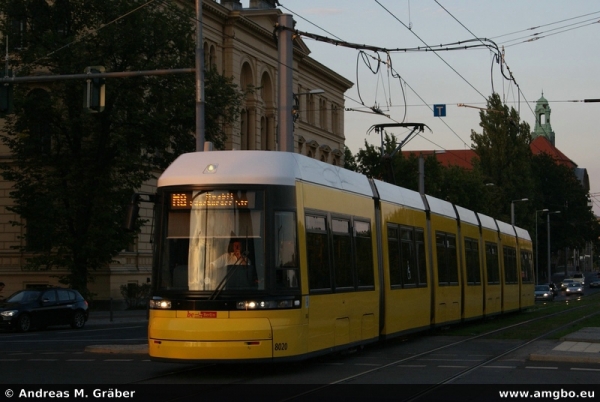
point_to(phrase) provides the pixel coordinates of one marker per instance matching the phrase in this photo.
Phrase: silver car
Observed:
(543, 292)
(574, 288)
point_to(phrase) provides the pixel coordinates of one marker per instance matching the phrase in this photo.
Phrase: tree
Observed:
(559, 189)
(349, 160)
(74, 172)
(504, 154)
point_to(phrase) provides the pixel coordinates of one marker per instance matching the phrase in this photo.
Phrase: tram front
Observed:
(226, 282)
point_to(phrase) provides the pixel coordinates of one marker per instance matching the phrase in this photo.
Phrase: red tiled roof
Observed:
(542, 145)
(463, 157)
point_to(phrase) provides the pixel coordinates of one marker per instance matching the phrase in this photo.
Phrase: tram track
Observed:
(451, 379)
(223, 376)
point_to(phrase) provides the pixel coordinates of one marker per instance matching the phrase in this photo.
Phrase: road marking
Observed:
(454, 360)
(500, 367)
(412, 365)
(440, 366)
(541, 368)
(118, 360)
(366, 364)
(81, 360)
(583, 369)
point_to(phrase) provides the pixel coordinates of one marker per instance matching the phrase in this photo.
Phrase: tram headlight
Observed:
(160, 304)
(267, 304)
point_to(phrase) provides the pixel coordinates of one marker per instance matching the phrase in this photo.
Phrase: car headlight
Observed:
(160, 304)
(9, 313)
(267, 304)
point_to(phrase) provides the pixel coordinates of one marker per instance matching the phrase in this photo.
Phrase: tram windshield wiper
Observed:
(231, 269)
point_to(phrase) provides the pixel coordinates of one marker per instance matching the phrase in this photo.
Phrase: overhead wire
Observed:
(519, 91)
(537, 37)
(545, 25)
(436, 53)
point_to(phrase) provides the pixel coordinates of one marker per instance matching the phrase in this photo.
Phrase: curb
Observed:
(564, 358)
(133, 349)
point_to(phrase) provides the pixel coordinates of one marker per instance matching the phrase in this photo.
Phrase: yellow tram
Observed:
(272, 256)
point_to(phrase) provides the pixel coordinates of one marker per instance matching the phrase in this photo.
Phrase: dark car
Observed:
(595, 283)
(39, 308)
(543, 292)
(574, 288)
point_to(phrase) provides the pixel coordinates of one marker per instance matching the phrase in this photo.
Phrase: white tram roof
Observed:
(260, 167)
(467, 216)
(522, 233)
(441, 207)
(505, 228)
(399, 195)
(487, 222)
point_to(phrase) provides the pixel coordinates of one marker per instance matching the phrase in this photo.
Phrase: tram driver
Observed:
(234, 256)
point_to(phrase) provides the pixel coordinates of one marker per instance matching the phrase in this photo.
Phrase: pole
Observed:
(199, 79)
(549, 273)
(512, 213)
(421, 175)
(286, 97)
(537, 275)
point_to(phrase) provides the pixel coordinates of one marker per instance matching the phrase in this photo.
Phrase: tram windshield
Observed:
(214, 241)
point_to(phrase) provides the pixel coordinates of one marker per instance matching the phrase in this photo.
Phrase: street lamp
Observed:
(548, 220)
(537, 275)
(512, 209)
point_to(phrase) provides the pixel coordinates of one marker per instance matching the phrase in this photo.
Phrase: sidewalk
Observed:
(582, 346)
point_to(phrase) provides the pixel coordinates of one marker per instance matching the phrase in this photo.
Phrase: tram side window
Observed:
(446, 258)
(317, 253)
(406, 253)
(472, 260)
(342, 253)
(526, 267)
(286, 254)
(364, 254)
(420, 244)
(510, 265)
(408, 264)
(491, 263)
(394, 256)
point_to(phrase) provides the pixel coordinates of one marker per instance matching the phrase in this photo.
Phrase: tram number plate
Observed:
(281, 346)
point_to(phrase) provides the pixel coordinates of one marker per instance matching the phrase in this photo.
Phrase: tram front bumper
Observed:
(210, 339)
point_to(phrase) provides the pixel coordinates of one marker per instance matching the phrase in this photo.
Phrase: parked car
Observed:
(543, 292)
(595, 283)
(42, 307)
(574, 288)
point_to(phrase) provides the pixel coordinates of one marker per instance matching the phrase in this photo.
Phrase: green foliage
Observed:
(505, 156)
(74, 172)
(349, 160)
(505, 170)
(558, 189)
(135, 295)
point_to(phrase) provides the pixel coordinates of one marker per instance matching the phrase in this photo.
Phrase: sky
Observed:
(562, 64)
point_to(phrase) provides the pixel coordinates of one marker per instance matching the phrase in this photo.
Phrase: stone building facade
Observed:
(240, 43)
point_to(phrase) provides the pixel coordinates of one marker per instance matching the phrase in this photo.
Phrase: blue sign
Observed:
(439, 110)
